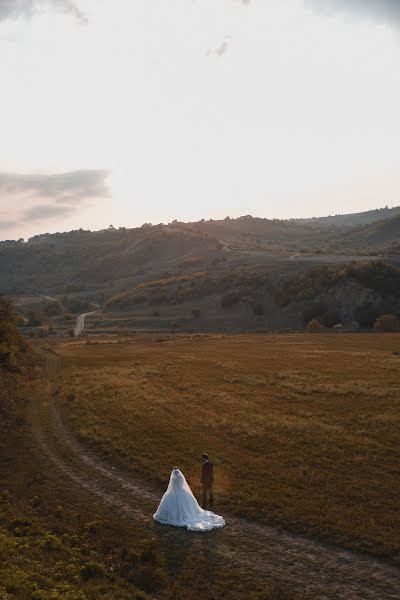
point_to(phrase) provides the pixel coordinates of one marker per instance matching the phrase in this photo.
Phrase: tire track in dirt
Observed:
(97, 464)
(311, 567)
(69, 464)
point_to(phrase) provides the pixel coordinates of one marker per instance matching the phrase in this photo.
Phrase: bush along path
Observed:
(313, 569)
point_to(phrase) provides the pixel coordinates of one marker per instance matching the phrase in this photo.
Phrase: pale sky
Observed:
(132, 111)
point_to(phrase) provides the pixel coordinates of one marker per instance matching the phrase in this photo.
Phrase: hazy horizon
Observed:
(117, 225)
(130, 112)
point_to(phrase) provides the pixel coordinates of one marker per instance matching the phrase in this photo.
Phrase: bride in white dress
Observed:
(179, 507)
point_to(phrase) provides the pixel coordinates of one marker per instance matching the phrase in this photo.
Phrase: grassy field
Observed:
(54, 543)
(303, 429)
(58, 541)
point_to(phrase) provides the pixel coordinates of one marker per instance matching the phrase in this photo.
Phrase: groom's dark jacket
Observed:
(207, 473)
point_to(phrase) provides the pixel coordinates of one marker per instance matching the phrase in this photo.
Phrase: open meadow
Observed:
(303, 429)
(200, 300)
(69, 530)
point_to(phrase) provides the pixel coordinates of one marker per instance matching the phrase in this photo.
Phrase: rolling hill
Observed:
(384, 234)
(352, 219)
(230, 273)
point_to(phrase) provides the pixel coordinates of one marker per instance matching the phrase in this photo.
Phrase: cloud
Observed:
(381, 11)
(222, 48)
(46, 211)
(73, 186)
(71, 8)
(14, 9)
(5, 223)
(31, 198)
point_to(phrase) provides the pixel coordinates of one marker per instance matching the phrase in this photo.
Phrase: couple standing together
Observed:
(179, 507)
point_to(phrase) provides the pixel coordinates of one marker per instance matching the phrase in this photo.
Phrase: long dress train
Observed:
(179, 507)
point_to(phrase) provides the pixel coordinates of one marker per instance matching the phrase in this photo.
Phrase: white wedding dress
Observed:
(179, 507)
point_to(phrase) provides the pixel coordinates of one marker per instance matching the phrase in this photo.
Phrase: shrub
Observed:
(387, 323)
(77, 306)
(315, 326)
(148, 579)
(10, 340)
(331, 318)
(20, 526)
(139, 299)
(159, 299)
(230, 299)
(259, 310)
(53, 309)
(49, 543)
(149, 555)
(366, 314)
(34, 318)
(5, 497)
(92, 571)
(315, 311)
(93, 527)
(19, 320)
(129, 560)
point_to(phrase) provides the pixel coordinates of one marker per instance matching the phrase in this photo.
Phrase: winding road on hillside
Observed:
(310, 567)
(80, 322)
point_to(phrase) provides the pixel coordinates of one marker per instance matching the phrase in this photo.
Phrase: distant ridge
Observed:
(379, 233)
(351, 219)
(228, 274)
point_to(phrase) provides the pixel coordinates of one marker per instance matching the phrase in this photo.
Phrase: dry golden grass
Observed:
(172, 280)
(61, 541)
(303, 429)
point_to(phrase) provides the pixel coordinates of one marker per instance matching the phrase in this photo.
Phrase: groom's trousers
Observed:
(208, 496)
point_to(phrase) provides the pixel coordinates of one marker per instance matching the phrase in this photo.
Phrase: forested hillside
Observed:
(278, 298)
(358, 292)
(382, 234)
(235, 272)
(82, 260)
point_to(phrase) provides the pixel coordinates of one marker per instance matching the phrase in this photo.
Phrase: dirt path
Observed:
(80, 322)
(312, 568)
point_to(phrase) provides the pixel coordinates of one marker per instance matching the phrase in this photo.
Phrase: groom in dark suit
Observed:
(207, 479)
